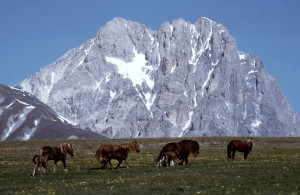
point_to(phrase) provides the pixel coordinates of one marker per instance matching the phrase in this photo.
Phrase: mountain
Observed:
(24, 117)
(184, 80)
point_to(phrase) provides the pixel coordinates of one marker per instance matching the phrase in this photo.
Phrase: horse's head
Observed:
(195, 149)
(67, 148)
(134, 146)
(70, 150)
(249, 141)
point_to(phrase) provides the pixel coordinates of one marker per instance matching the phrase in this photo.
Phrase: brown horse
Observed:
(169, 158)
(120, 155)
(184, 148)
(241, 146)
(59, 153)
(110, 147)
(40, 163)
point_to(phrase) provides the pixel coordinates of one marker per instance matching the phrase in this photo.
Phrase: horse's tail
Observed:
(229, 150)
(98, 154)
(34, 159)
(161, 154)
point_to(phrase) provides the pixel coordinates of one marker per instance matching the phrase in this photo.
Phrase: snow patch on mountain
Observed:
(136, 70)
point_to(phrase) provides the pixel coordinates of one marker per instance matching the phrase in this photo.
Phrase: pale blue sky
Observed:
(35, 33)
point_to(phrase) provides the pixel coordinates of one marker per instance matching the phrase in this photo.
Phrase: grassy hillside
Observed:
(273, 166)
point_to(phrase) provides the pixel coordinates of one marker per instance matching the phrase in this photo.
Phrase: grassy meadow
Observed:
(272, 167)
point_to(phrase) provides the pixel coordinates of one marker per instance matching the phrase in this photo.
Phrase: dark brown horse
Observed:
(40, 163)
(59, 153)
(182, 149)
(120, 155)
(111, 147)
(241, 146)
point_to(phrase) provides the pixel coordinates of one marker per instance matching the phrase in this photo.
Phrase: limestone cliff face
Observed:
(184, 80)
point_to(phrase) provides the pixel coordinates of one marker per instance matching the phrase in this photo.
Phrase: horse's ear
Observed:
(135, 141)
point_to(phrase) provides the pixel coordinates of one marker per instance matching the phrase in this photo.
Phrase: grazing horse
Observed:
(119, 154)
(110, 147)
(182, 150)
(59, 153)
(41, 160)
(241, 146)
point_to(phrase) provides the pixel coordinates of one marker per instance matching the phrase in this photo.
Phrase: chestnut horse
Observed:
(120, 155)
(110, 147)
(59, 153)
(241, 146)
(184, 147)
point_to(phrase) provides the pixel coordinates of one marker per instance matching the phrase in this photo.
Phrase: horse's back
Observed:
(233, 143)
(189, 146)
(237, 145)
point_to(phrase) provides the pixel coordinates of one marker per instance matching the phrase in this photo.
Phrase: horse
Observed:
(169, 158)
(184, 147)
(41, 160)
(110, 147)
(241, 146)
(119, 154)
(59, 153)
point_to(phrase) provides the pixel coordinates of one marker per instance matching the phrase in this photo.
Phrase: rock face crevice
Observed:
(184, 80)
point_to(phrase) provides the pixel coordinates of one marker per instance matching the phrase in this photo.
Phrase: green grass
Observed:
(273, 167)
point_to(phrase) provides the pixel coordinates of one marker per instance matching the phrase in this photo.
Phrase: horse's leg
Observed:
(233, 154)
(164, 161)
(167, 160)
(43, 169)
(55, 164)
(228, 153)
(181, 159)
(186, 160)
(160, 161)
(65, 165)
(245, 155)
(34, 169)
(126, 164)
(38, 167)
(109, 160)
(46, 167)
(104, 164)
(120, 161)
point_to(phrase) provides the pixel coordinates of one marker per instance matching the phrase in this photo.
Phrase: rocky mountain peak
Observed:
(184, 80)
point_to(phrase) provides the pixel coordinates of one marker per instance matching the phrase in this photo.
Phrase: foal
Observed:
(40, 163)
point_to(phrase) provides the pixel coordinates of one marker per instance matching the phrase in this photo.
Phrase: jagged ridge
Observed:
(184, 80)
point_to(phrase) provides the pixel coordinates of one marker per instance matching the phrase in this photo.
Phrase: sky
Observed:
(35, 33)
